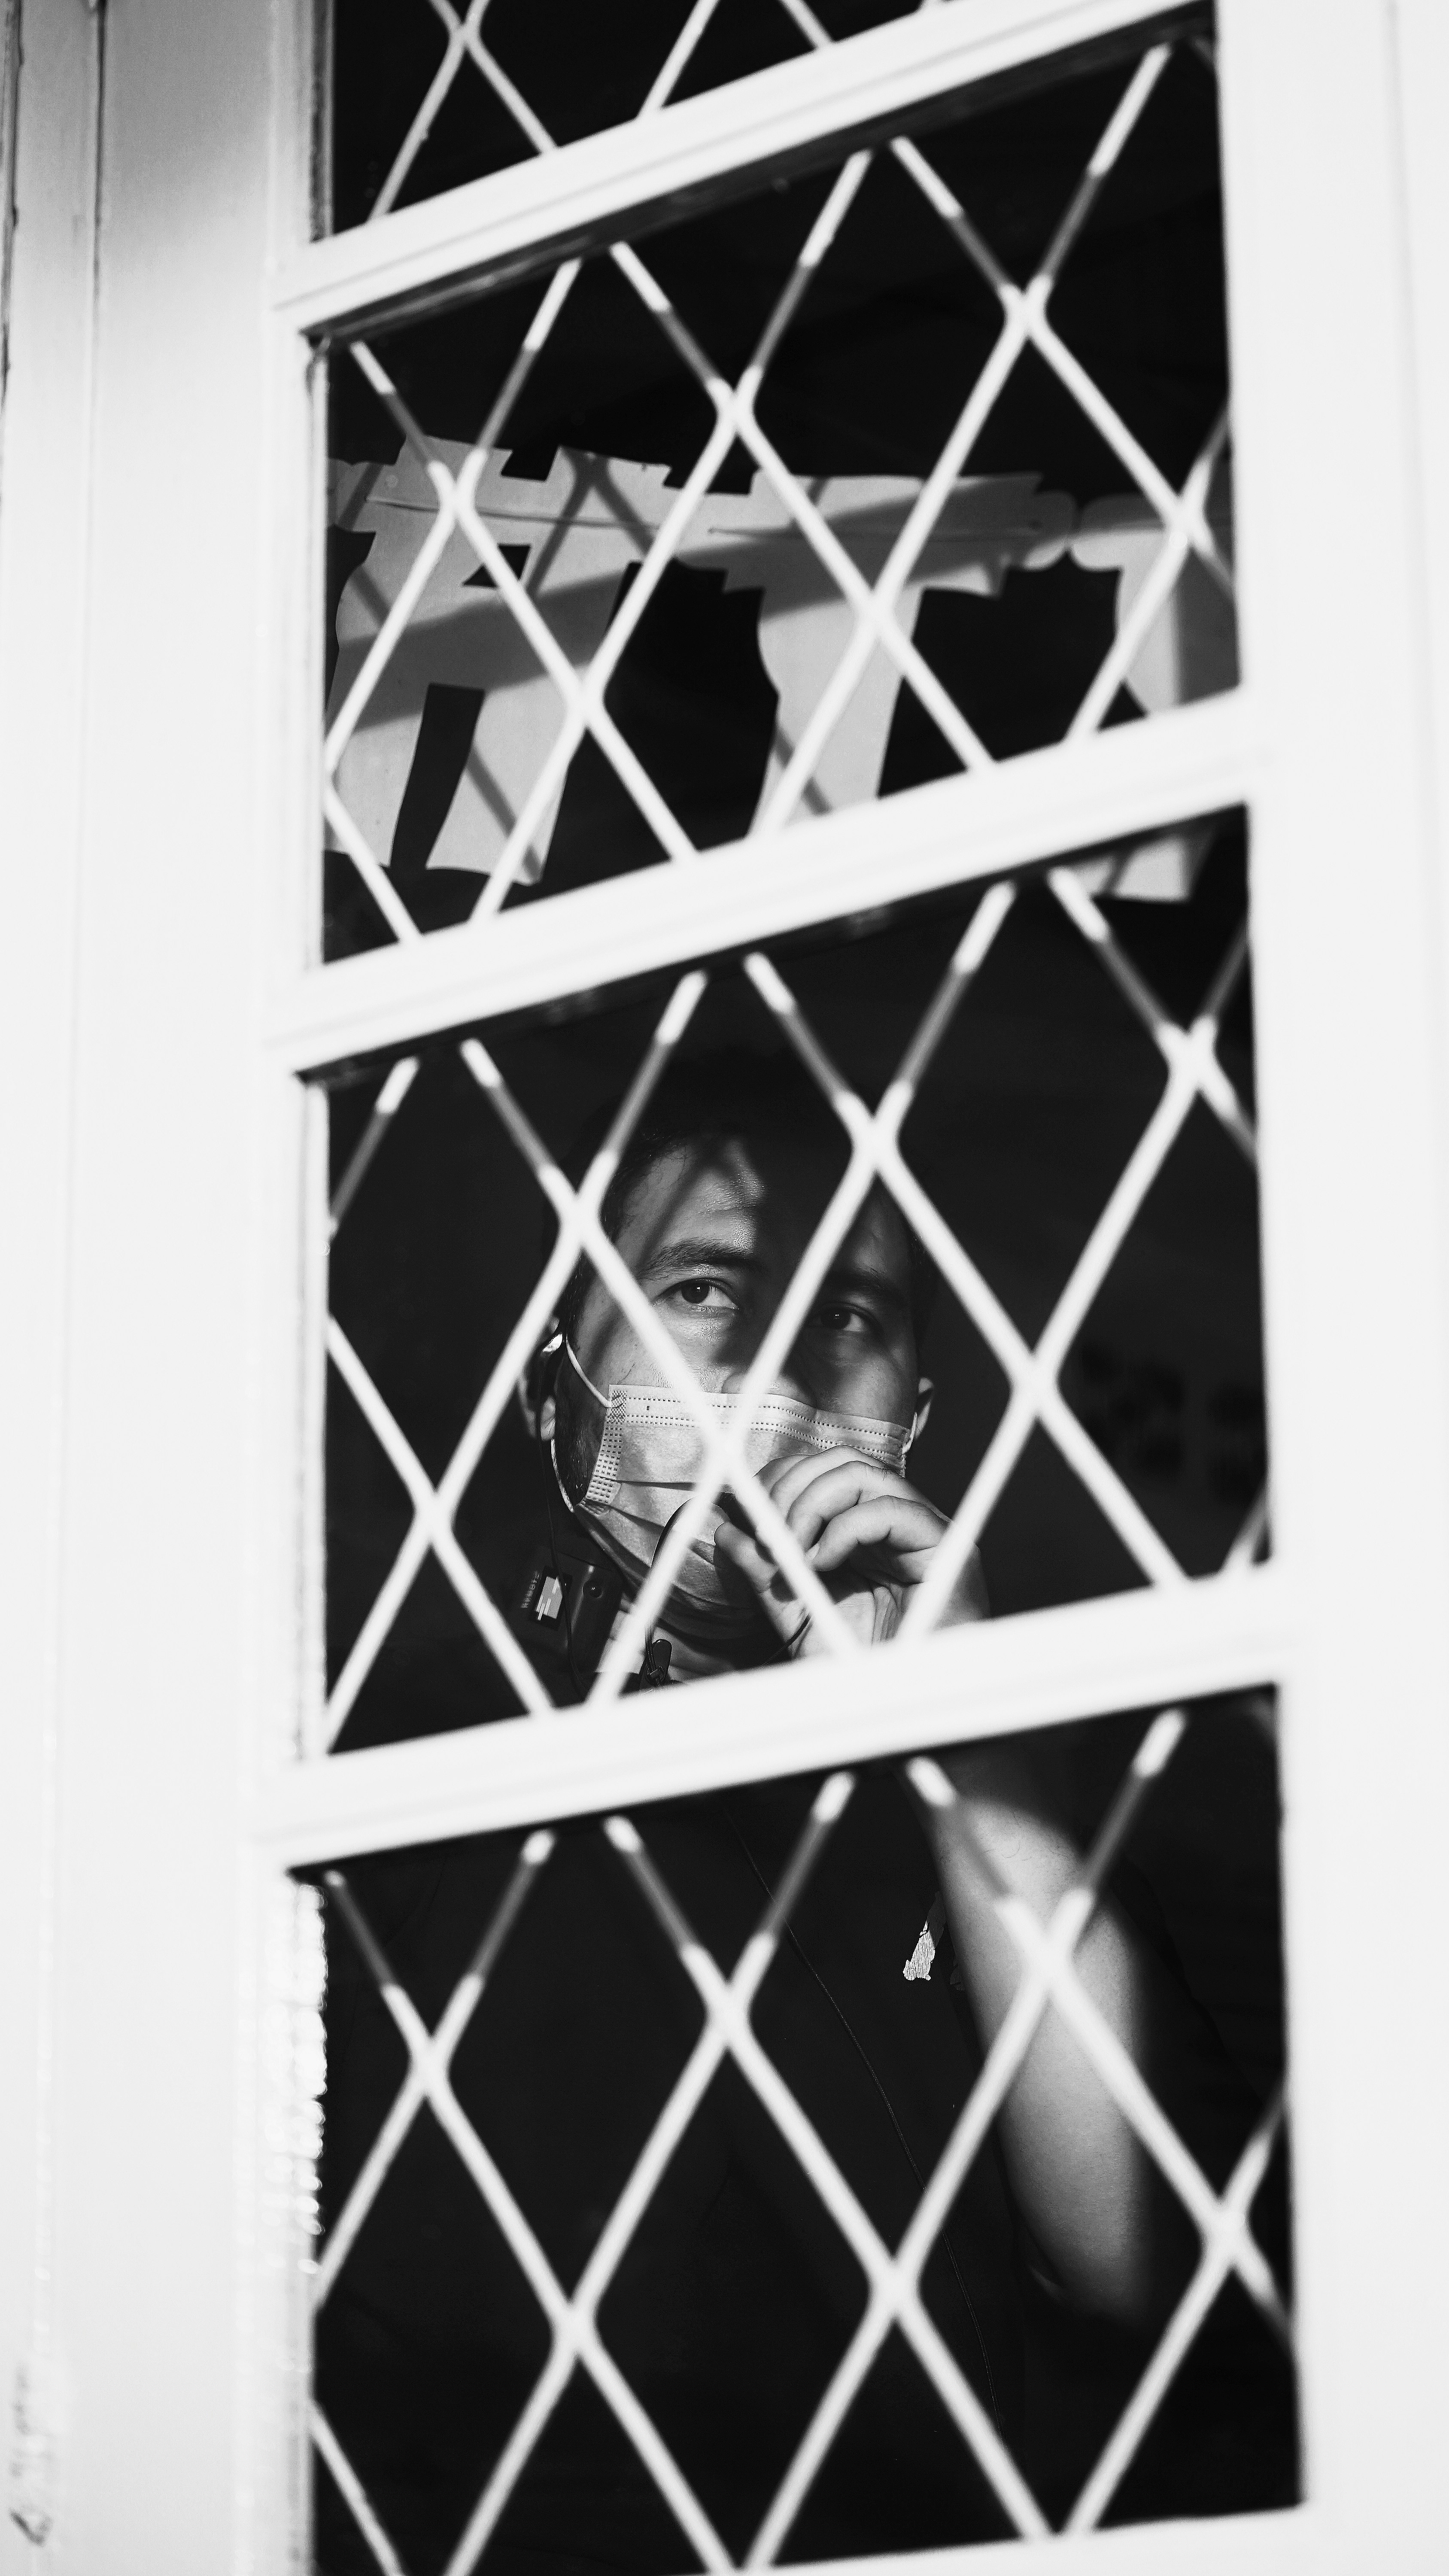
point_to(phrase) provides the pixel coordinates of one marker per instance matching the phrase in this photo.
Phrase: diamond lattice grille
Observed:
(535, 591)
(468, 90)
(891, 2272)
(499, 587)
(1191, 1080)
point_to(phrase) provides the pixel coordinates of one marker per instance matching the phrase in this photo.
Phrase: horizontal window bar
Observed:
(1044, 805)
(540, 209)
(1130, 1651)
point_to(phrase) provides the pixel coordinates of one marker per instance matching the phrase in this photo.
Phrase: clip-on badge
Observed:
(566, 1604)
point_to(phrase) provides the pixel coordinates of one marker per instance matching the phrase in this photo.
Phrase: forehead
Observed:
(758, 1195)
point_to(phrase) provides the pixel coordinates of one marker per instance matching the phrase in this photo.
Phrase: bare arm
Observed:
(1080, 2177)
(1083, 2183)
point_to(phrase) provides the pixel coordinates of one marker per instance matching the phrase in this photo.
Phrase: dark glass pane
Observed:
(1043, 590)
(715, 2215)
(1044, 1098)
(412, 115)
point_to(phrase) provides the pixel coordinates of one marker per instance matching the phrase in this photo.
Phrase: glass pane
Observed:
(1033, 1342)
(796, 504)
(595, 2276)
(425, 97)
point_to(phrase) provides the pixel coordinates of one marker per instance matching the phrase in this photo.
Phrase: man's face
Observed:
(713, 1235)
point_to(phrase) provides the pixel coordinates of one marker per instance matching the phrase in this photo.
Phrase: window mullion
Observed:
(1130, 780)
(1039, 1670)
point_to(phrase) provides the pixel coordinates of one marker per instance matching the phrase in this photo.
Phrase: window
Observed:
(537, 688)
(1134, 721)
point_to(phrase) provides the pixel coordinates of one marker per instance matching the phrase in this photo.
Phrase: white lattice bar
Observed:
(572, 2318)
(521, 217)
(875, 623)
(998, 1677)
(894, 2294)
(935, 1704)
(1176, 2341)
(355, 2495)
(1278, 2544)
(1033, 1374)
(893, 2277)
(1128, 781)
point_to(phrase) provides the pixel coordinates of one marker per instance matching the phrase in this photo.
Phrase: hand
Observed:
(869, 1535)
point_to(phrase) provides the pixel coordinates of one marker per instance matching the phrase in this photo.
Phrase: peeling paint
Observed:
(33, 2462)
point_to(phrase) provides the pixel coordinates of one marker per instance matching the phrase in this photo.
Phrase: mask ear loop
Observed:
(558, 1342)
(547, 1456)
(579, 1370)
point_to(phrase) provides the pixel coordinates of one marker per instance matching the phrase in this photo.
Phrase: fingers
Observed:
(786, 1478)
(748, 1573)
(896, 1541)
(851, 1518)
(857, 1524)
(813, 1502)
(741, 1560)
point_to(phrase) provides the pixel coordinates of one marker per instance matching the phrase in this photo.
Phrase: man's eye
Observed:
(703, 1294)
(840, 1319)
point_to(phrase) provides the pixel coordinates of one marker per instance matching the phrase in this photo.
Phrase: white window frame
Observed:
(158, 766)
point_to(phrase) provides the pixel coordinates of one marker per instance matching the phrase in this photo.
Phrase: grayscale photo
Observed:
(724, 758)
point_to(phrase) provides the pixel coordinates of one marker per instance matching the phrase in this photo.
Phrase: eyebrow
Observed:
(866, 1280)
(705, 1252)
(699, 1251)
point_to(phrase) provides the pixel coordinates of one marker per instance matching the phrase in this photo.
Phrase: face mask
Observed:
(651, 1457)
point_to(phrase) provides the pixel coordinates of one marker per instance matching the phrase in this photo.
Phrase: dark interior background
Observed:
(869, 378)
(737, 2295)
(582, 65)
